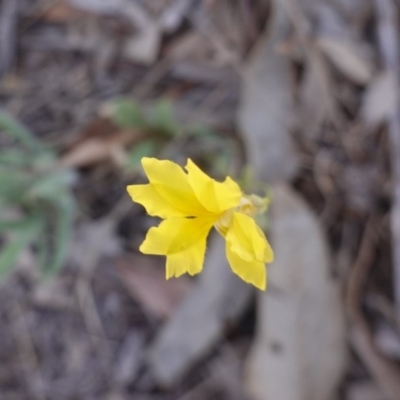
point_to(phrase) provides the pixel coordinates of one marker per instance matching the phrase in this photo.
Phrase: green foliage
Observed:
(127, 114)
(147, 148)
(159, 121)
(22, 236)
(18, 131)
(163, 121)
(165, 137)
(36, 203)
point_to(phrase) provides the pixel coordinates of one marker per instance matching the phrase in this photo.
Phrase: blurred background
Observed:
(296, 97)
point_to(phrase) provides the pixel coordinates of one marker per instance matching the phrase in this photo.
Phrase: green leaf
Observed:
(23, 237)
(221, 164)
(6, 226)
(18, 131)
(43, 251)
(51, 186)
(163, 119)
(202, 132)
(147, 148)
(13, 184)
(14, 158)
(63, 219)
(127, 114)
(44, 161)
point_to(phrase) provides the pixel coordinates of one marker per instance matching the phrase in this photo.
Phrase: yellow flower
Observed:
(191, 204)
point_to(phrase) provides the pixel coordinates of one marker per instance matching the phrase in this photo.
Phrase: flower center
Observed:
(224, 221)
(248, 205)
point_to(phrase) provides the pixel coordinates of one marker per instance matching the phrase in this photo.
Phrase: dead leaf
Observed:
(62, 12)
(97, 128)
(346, 57)
(387, 341)
(380, 99)
(145, 280)
(300, 345)
(93, 151)
(357, 12)
(101, 140)
(365, 391)
(317, 103)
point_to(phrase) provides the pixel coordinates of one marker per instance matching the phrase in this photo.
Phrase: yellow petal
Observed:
(247, 240)
(153, 202)
(190, 260)
(253, 272)
(268, 253)
(215, 196)
(171, 183)
(175, 235)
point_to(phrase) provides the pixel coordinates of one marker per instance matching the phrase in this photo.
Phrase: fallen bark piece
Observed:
(299, 350)
(219, 298)
(265, 109)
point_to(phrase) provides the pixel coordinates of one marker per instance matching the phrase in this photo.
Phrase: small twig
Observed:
(359, 271)
(388, 34)
(8, 21)
(27, 354)
(385, 372)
